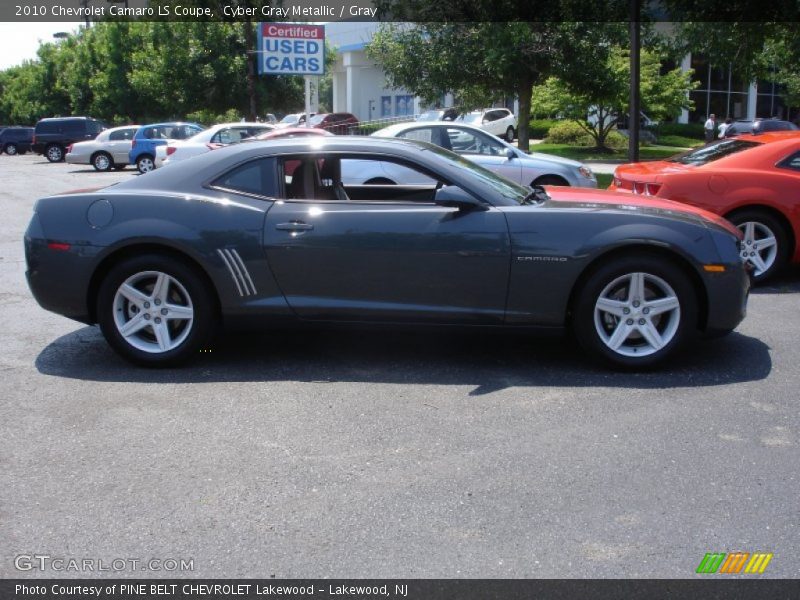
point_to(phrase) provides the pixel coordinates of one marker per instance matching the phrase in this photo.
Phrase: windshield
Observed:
(290, 119)
(712, 152)
(318, 119)
(505, 187)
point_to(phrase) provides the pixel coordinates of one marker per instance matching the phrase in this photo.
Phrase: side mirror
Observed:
(454, 197)
(510, 154)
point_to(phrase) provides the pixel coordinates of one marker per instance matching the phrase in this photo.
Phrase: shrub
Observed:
(572, 134)
(538, 128)
(687, 130)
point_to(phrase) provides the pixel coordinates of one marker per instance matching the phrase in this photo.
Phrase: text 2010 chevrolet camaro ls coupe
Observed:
(264, 233)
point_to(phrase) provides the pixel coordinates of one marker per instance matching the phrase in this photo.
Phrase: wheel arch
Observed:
(550, 176)
(778, 214)
(640, 249)
(135, 249)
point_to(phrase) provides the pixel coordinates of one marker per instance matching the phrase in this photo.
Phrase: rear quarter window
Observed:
(253, 177)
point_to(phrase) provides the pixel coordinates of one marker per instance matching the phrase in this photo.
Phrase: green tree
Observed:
(481, 63)
(595, 107)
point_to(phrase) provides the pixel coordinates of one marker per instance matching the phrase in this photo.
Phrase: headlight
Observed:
(586, 172)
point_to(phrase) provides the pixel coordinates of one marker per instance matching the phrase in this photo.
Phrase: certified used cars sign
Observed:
(291, 49)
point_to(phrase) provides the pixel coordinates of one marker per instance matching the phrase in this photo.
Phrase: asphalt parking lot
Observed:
(331, 454)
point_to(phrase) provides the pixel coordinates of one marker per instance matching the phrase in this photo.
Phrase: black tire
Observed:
(119, 167)
(550, 180)
(612, 282)
(509, 134)
(54, 153)
(763, 222)
(145, 163)
(102, 161)
(10, 149)
(192, 291)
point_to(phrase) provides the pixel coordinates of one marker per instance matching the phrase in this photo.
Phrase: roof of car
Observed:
(771, 136)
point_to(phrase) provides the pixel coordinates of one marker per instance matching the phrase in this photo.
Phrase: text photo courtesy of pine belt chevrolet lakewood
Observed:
(751, 180)
(261, 234)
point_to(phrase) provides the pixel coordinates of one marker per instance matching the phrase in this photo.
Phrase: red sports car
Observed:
(752, 180)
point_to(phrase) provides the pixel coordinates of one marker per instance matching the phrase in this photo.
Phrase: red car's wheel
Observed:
(765, 245)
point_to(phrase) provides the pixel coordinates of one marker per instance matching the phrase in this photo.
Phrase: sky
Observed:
(20, 40)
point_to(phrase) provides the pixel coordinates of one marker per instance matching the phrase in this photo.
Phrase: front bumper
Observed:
(728, 293)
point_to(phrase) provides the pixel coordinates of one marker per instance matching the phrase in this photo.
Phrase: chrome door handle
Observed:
(294, 226)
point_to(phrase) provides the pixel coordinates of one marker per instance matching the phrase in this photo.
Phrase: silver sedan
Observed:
(494, 154)
(107, 151)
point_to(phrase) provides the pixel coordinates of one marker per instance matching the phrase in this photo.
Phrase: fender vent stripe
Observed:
(238, 270)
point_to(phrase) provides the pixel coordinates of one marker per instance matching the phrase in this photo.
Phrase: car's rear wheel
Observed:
(54, 153)
(102, 161)
(635, 312)
(145, 163)
(765, 245)
(11, 149)
(155, 310)
(510, 134)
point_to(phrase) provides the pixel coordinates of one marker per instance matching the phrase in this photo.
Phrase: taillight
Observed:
(171, 150)
(34, 139)
(69, 149)
(638, 187)
(651, 189)
(133, 144)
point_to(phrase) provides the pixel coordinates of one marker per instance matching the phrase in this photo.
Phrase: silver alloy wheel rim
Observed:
(153, 312)
(637, 314)
(759, 246)
(11, 149)
(146, 165)
(54, 153)
(102, 163)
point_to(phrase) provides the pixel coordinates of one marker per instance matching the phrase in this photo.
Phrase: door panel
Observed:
(389, 261)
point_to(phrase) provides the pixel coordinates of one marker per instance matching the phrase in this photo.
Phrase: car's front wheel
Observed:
(102, 161)
(510, 134)
(11, 149)
(145, 163)
(765, 245)
(155, 310)
(54, 153)
(635, 312)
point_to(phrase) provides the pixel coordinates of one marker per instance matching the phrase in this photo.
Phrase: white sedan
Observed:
(109, 150)
(484, 149)
(209, 139)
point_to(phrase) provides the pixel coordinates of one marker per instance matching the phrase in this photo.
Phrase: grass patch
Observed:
(603, 180)
(679, 141)
(580, 153)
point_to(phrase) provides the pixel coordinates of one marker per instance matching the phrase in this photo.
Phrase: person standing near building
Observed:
(709, 127)
(724, 127)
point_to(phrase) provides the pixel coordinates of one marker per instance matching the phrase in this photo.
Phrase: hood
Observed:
(553, 159)
(590, 198)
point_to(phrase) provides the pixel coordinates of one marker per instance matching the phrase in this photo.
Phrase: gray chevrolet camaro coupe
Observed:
(265, 234)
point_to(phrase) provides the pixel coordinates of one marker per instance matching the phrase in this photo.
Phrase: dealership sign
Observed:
(291, 49)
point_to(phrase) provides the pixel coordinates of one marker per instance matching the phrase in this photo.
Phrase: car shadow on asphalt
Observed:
(786, 282)
(490, 362)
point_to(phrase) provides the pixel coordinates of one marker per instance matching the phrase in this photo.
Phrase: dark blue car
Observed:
(148, 137)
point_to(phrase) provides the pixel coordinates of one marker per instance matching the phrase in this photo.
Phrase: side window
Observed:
(791, 162)
(223, 136)
(467, 142)
(49, 127)
(121, 135)
(254, 177)
(423, 134)
(75, 127)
